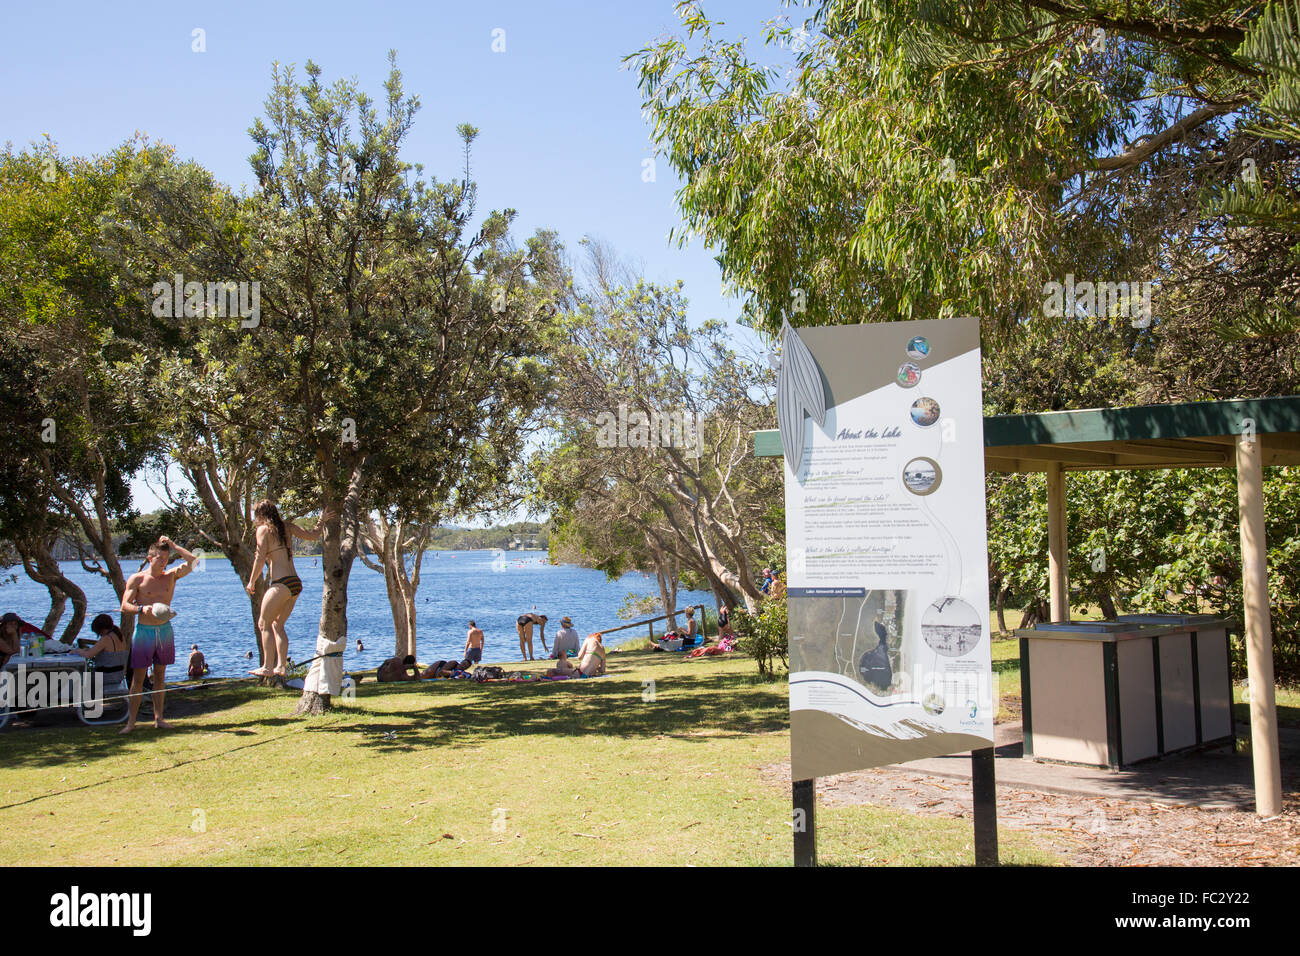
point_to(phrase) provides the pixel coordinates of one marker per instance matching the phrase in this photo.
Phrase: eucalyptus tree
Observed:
(922, 159)
(651, 420)
(928, 158)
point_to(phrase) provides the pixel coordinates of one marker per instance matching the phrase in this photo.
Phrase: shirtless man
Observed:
(154, 644)
(198, 665)
(398, 669)
(525, 627)
(473, 652)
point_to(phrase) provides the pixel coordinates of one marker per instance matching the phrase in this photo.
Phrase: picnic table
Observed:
(48, 664)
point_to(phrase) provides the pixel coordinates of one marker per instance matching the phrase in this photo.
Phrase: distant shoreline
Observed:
(369, 554)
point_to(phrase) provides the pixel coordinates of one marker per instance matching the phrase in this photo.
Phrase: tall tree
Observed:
(65, 329)
(651, 448)
(391, 363)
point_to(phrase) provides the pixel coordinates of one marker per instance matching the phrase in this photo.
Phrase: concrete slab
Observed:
(1216, 778)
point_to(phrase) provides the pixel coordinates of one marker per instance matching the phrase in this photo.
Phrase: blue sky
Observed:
(561, 137)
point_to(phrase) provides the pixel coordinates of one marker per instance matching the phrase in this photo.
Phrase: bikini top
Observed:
(279, 544)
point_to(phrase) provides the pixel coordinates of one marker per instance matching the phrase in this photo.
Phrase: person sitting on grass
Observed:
(724, 620)
(398, 669)
(590, 661)
(567, 641)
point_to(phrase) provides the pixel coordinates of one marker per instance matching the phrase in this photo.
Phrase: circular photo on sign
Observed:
(921, 476)
(925, 412)
(918, 348)
(933, 704)
(951, 627)
(909, 374)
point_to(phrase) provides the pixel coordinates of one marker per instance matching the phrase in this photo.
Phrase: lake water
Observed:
(455, 586)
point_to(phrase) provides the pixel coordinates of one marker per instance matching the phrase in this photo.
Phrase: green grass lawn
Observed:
(1288, 706)
(608, 771)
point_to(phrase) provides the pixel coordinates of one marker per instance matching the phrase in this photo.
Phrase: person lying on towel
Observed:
(445, 668)
(724, 646)
(398, 669)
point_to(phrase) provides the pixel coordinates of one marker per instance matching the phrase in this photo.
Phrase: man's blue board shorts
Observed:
(152, 644)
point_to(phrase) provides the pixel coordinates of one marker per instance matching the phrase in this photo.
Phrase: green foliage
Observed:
(764, 635)
(528, 534)
(74, 435)
(640, 606)
(143, 530)
(395, 363)
(922, 159)
(694, 508)
(1157, 541)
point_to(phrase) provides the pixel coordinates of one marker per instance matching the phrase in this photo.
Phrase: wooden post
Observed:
(985, 792)
(805, 822)
(1258, 627)
(1058, 573)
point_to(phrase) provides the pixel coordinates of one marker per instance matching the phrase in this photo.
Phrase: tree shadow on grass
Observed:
(52, 738)
(696, 706)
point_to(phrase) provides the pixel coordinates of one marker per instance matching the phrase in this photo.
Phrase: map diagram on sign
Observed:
(859, 638)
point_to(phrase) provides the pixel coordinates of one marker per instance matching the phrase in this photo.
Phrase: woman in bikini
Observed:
(273, 550)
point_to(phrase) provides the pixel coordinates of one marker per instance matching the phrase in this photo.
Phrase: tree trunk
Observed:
(666, 575)
(410, 615)
(1107, 606)
(241, 562)
(1002, 614)
(411, 582)
(397, 606)
(339, 540)
(385, 541)
(40, 565)
(58, 603)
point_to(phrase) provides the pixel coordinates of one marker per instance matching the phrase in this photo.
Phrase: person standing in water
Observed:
(524, 625)
(274, 537)
(149, 594)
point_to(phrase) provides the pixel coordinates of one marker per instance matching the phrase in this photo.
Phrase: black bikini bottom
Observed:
(292, 582)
